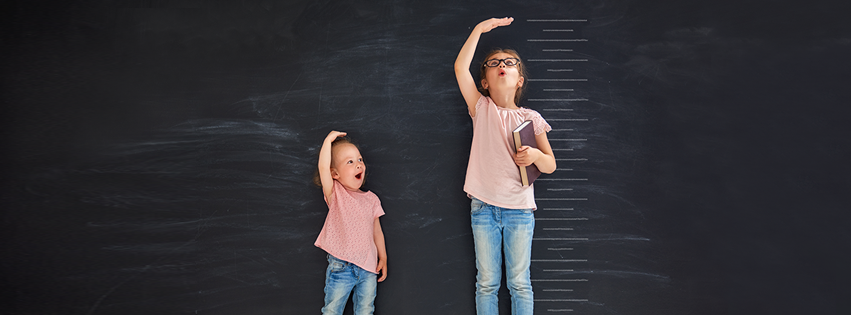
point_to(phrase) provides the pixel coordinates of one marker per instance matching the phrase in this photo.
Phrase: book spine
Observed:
(524, 178)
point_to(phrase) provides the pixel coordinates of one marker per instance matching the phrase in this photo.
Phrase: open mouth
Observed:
(358, 175)
(501, 72)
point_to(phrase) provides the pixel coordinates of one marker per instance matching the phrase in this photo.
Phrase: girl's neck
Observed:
(503, 100)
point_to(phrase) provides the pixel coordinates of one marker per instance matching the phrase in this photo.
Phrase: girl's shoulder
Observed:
(541, 124)
(529, 113)
(484, 100)
(372, 196)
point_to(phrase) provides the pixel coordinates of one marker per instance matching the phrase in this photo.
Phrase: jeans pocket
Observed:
(476, 206)
(335, 264)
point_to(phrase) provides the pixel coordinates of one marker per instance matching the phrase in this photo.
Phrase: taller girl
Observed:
(501, 208)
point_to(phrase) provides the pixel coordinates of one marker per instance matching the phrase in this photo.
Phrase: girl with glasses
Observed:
(501, 207)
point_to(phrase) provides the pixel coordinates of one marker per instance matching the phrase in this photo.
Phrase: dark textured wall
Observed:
(157, 155)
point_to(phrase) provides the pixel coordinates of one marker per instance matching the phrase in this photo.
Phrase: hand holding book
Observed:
(525, 156)
(524, 140)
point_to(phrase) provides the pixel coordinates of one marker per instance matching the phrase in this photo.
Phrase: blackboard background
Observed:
(157, 154)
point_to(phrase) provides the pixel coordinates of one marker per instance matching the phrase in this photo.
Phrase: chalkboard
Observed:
(158, 155)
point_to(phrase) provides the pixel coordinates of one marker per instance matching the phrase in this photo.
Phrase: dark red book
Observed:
(525, 135)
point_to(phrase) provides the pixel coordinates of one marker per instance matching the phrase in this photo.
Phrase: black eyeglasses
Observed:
(509, 62)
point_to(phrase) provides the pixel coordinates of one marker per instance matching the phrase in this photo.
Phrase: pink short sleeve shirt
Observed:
(492, 175)
(349, 227)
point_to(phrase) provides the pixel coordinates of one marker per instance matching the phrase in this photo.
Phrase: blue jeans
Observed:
(497, 230)
(341, 278)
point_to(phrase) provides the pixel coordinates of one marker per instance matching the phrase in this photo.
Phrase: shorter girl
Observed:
(351, 235)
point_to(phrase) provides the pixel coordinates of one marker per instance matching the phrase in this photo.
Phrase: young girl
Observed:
(501, 208)
(351, 235)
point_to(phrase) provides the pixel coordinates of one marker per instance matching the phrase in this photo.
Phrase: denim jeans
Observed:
(341, 278)
(497, 230)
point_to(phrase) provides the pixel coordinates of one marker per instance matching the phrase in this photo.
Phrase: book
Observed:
(525, 135)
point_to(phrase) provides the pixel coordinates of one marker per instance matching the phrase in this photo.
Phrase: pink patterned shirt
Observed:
(348, 230)
(492, 175)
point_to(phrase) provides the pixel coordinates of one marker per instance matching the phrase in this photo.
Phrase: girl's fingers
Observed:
(493, 23)
(504, 21)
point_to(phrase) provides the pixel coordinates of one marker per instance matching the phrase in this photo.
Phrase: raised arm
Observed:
(325, 164)
(462, 64)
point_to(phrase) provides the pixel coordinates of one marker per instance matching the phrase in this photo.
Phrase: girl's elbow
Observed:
(460, 67)
(458, 73)
(550, 169)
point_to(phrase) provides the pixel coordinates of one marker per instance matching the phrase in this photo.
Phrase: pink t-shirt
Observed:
(492, 175)
(349, 226)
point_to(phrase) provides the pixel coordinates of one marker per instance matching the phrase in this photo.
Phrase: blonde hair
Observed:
(520, 68)
(341, 140)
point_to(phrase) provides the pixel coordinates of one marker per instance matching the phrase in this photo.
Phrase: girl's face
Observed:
(506, 78)
(348, 166)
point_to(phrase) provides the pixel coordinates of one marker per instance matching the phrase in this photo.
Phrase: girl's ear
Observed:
(485, 84)
(334, 174)
(520, 82)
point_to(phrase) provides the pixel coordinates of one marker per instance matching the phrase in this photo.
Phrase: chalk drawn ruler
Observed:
(557, 280)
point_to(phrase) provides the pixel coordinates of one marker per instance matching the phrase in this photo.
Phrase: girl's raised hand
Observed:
(466, 83)
(489, 24)
(333, 135)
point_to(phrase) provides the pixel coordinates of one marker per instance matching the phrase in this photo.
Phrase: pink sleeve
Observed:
(379, 211)
(541, 125)
(483, 100)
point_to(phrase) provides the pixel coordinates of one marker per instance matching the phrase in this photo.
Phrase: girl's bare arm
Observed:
(462, 64)
(542, 157)
(378, 236)
(325, 164)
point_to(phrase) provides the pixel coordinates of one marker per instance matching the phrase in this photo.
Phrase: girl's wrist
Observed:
(479, 28)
